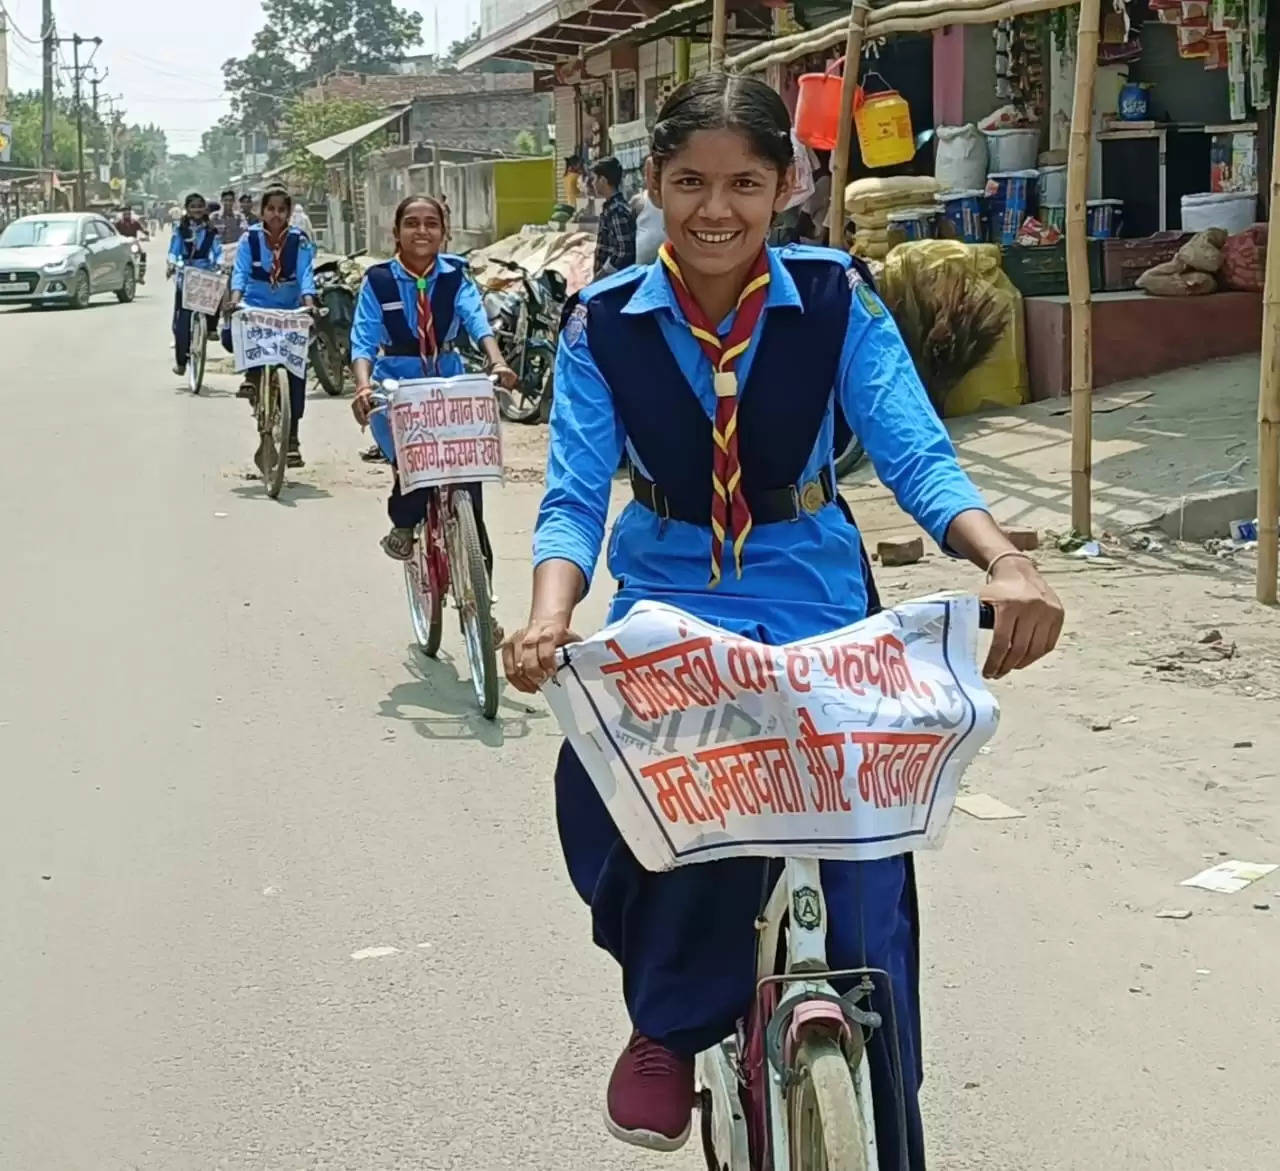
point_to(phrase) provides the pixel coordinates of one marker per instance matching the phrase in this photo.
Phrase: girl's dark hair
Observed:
(194, 197)
(272, 193)
(725, 101)
(409, 200)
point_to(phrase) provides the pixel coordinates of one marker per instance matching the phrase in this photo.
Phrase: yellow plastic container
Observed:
(883, 122)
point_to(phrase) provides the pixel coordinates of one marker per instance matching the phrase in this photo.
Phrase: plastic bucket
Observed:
(1014, 149)
(818, 108)
(883, 122)
(1053, 185)
(964, 211)
(1102, 218)
(1011, 198)
(1233, 211)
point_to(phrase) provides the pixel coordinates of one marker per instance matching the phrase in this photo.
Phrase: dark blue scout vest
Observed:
(193, 251)
(781, 410)
(260, 257)
(444, 294)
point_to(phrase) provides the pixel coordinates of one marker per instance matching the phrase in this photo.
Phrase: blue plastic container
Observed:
(966, 212)
(1102, 218)
(1011, 198)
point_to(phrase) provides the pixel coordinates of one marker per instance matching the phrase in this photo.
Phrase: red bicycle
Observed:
(448, 561)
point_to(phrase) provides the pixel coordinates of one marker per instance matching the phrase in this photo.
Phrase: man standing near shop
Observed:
(616, 238)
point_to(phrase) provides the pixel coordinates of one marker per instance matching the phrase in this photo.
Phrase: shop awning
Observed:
(687, 20)
(554, 32)
(336, 145)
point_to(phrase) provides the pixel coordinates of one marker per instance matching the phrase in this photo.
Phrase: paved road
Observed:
(225, 772)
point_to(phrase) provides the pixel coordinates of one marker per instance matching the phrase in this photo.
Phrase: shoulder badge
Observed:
(867, 299)
(576, 326)
(855, 276)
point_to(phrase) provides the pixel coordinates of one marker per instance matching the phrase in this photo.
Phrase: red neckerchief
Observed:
(277, 256)
(730, 513)
(427, 348)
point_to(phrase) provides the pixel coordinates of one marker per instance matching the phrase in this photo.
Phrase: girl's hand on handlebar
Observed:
(362, 406)
(1029, 617)
(505, 376)
(529, 655)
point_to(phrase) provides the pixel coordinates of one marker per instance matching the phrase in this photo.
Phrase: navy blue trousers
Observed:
(297, 386)
(406, 509)
(686, 942)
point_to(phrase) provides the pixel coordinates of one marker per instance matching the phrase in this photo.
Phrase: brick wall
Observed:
(488, 122)
(390, 89)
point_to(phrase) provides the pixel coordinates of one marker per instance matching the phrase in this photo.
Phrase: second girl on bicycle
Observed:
(195, 244)
(409, 309)
(275, 270)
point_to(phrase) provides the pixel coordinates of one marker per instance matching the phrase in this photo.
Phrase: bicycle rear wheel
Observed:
(273, 427)
(196, 358)
(824, 1119)
(471, 589)
(426, 609)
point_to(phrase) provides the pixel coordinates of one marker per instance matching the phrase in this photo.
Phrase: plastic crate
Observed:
(1041, 271)
(1124, 261)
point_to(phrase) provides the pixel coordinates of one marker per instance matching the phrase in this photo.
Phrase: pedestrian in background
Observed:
(616, 238)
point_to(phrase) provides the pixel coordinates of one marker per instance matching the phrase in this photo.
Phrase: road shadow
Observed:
(291, 495)
(441, 688)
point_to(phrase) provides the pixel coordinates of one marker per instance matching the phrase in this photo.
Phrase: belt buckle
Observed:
(812, 497)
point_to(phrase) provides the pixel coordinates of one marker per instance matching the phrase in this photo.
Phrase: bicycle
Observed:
(272, 407)
(202, 301)
(448, 560)
(791, 1090)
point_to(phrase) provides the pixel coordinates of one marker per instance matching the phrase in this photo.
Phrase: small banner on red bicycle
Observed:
(271, 337)
(446, 431)
(850, 746)
(202, 291)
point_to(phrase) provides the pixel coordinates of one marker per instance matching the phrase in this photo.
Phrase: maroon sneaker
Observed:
(650, 1097)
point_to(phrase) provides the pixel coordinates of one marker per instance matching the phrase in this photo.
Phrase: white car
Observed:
(64, 258)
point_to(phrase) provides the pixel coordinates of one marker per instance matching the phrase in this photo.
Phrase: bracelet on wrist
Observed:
(991, 565)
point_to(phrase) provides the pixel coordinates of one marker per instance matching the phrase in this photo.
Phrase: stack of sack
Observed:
(1210, 261)
(869, 202)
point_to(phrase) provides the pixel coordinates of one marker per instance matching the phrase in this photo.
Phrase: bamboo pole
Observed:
(844, 130)
(719, 32)
(1269, 397)
(1078, 269)
(904, 16)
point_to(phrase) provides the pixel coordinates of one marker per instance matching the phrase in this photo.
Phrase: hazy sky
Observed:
(167, 67)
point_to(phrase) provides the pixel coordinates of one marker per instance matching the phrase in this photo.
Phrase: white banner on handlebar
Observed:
(271, 337)
(202, 291)
(446, 431)
(849, 746)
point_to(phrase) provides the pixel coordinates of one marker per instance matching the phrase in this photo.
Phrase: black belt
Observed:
(768, 506)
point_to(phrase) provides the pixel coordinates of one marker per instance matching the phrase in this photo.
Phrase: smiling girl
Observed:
(719, 369)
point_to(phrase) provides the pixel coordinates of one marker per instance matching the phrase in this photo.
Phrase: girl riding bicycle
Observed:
(718, 369)
(274, 270)
(409, 309)
(194, 244)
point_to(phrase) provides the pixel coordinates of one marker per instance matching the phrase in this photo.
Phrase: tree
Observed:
(27, 115)
(301, 43)
(221, 144)
(145, 149)
(308, 122)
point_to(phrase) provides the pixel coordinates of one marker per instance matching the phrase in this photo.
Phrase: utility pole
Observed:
(4, 64)
(47, 35)
(78, 75)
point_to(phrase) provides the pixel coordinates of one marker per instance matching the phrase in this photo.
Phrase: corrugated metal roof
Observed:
(330, 148)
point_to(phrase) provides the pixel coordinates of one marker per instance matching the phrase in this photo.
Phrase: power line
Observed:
(13, 27)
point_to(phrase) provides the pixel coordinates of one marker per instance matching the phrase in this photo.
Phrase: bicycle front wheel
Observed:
(475, 605)
(426, 610)
(273, 427)
(824, 1119)
(196, 359)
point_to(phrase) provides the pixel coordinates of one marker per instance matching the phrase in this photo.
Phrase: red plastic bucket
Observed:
(818, 107)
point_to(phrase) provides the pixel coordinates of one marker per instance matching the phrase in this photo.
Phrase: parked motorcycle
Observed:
(526, 324)
(337, 286)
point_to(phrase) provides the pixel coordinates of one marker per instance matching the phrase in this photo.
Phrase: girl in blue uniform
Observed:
(275, 270)
(800, 330)
(409, 309)
(196, 244)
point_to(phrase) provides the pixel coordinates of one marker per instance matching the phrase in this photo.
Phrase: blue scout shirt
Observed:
(800, 578)
(287, 294)
(177, 250)
(369, 334)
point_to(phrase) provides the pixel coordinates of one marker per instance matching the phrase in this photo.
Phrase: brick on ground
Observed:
(900, 551)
